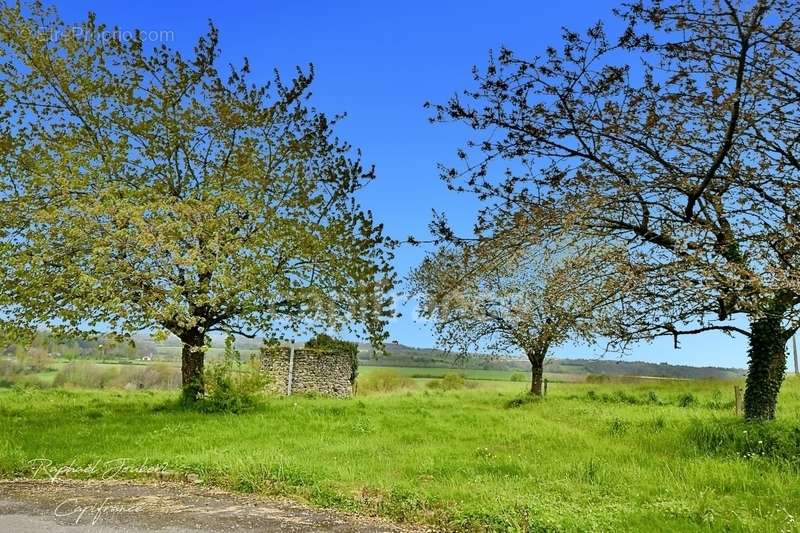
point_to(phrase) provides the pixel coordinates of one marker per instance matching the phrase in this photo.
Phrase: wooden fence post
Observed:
(737, 393)
(545, 386)
(290, 376)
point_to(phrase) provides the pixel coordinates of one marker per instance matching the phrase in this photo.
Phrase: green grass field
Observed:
(658, 456)
(174, 352)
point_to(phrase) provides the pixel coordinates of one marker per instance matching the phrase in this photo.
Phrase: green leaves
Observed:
(142, 189)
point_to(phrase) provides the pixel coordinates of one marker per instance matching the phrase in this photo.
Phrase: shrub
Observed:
(326, 342)
(519, 377)
(34, 359)
(450, 381)
(384, 380)
(10, 369)
(232, 386)
(155, 376)
(29, 382)
(86, 375)
(596, 378)
(16, 373)
(94, 376)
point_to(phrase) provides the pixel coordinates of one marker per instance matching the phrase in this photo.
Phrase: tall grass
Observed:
(134, 377)
(458, 460)
(383, 380)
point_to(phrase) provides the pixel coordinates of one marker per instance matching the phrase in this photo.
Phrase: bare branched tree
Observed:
(487, 295)
(676, 142)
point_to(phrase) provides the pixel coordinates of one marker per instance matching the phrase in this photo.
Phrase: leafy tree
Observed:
(146, 189)
(675, 142)
(484, 296)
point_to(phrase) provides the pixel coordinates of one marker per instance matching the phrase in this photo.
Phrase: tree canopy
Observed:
(144, 189)
(492, 296)
(674, 141)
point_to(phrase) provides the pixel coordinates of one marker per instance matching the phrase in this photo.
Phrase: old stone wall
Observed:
(318, 371)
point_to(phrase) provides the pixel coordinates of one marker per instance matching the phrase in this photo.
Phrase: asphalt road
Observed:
(63, 506)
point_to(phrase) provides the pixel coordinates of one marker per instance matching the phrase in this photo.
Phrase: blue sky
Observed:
(379, 62)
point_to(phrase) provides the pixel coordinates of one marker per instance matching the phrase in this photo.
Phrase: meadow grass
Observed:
(611, 456)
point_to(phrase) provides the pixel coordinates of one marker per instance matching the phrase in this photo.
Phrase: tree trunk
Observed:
(192, 358)
(537, 368)
(766, 366)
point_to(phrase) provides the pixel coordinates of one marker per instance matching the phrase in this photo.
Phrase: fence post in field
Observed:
(545, 387)
(290, 376)
(737, 393)
(794, 350)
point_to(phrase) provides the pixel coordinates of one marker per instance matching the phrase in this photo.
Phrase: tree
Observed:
(686, 160)
(482, 295)
(146, 190)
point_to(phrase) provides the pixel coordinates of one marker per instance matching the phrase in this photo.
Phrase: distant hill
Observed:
(402, 355)
(397, 355)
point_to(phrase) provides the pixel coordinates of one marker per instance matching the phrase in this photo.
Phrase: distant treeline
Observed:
(102, 347)
(108, 347)
(401, 355)
(142, 346)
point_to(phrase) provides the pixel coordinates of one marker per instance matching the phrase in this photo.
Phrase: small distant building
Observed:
(301, 370)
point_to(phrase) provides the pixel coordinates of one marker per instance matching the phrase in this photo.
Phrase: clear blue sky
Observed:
(379, 62)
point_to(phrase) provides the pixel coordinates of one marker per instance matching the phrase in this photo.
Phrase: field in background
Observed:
(173, 353)
(651, 455)
(468, 373)
(476, 378)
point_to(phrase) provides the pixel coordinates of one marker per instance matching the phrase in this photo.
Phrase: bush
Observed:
(29, 382)
(94, 376)
(86, 375)
(232, 386)
(519, 377)
(155, 376)
(10, 369)
(384, 380)
(596, 378)
(328, 343)
(16, 373)
(34, 359)
(450, 381)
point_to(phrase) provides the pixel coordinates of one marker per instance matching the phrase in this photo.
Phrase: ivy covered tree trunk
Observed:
(192, 359)
(537, 369)
(766, 367)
